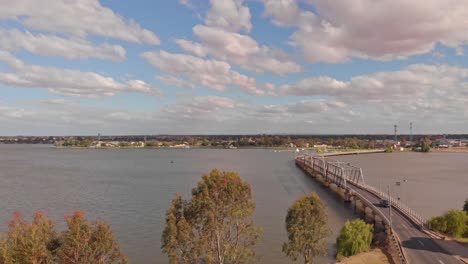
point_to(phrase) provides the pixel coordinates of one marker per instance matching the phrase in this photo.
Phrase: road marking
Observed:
(422, 244)
(441, 262)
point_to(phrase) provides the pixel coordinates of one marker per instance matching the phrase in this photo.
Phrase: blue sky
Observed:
(232, 66)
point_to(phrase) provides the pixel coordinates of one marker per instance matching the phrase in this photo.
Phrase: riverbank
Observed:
(375, 256)
(354, 152)
(451, 150)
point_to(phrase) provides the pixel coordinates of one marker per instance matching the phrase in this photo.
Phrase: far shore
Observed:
(332, 153)
(451, 150)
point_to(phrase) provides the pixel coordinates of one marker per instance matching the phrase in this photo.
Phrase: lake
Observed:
(132, 188)
(430, 183)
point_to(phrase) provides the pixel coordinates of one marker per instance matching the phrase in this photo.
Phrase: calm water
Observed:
(131, 190)
(430, 183)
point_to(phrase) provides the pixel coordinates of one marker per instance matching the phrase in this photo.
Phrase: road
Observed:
(418, 246)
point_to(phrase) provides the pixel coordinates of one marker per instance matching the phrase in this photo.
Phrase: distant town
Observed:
(319, 142)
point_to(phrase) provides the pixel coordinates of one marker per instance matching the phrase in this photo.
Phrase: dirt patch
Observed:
(375, 256)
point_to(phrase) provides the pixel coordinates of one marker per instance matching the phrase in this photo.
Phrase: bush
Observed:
(355, 237)
(452, 223)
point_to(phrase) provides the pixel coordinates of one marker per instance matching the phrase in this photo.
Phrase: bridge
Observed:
(406, 229)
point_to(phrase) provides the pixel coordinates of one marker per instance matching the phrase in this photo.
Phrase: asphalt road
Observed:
(419, 247)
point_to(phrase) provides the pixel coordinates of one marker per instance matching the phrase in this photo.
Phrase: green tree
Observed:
(88, 243)
(426, 145)
(38, 242)
(452, 223)
(355, 237)
(215, 225)
(29, 242)
(178, 238)
(306, 225)
(465, 206)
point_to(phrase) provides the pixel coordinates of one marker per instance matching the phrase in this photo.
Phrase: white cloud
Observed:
(178, 82)
(66, 81)
(416, 89)
(220, 38)
(51, 45)
(239, 49)
(229, 15)
(338, 31)
(75, 18)
(213, 74)
(192, 47)
(314, 86)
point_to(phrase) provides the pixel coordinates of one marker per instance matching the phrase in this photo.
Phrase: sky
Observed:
(233, 66)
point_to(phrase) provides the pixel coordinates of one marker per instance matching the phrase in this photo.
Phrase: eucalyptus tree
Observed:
(215, 225)
(307, 228)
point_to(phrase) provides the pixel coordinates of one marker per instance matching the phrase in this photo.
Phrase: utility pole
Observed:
(411, 132)
(395, 127)
(390, 207)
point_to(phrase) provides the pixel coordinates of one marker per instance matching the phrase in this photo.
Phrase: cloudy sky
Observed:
(71, 67)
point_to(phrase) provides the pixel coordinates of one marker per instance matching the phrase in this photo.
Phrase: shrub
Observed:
(355, 237)
(452, 223)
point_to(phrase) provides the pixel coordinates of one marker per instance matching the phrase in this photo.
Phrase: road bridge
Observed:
(406, 228)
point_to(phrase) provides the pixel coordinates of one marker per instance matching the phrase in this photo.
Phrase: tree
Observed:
(215, 225)
(465, 206)
(426, 145)
(38, 242)
(178, 238)
(452, 223)
(88, 243)
(306, 225)
(29, 242)
(355, 237)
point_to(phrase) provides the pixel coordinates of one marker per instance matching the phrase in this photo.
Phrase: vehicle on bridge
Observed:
(384, 203)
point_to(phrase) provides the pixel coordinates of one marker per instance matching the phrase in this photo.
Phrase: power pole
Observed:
(390, 207)
(395, 127)
(411, 132)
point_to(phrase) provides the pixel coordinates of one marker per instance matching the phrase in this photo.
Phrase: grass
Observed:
(375, 256)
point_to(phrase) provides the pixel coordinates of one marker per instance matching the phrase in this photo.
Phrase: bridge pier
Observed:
(347, 196)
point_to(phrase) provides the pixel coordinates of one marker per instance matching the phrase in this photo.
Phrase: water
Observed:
(430, 183)
(132, 188)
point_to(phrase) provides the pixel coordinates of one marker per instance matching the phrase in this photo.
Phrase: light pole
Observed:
(390, 207)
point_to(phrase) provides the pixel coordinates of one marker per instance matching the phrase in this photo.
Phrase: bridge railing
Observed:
(319, 164)
(309, 162)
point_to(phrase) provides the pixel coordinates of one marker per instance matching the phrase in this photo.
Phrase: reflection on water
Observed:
(132, 188)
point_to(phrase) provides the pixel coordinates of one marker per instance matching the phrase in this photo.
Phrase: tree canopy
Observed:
(452, 223)
(355, 237)
(306, 225)
(465, 206)
(39, 243)
(215, 225)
